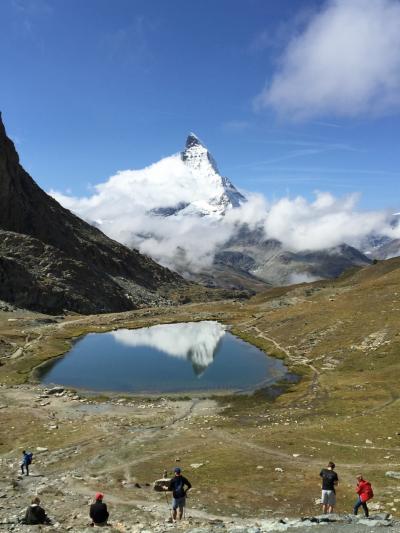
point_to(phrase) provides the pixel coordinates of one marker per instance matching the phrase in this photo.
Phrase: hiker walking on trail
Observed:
(177, 485)
(35, 514)
(365, 493)
(330, 480)
(26, 461)
(98, 511)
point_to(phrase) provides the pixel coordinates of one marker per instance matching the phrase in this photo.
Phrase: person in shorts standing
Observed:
(177, 486)
(330, 480)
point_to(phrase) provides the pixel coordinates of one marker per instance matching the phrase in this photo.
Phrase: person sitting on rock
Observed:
(177, 485)
(35, 514)
(98, 511)
(365, 493)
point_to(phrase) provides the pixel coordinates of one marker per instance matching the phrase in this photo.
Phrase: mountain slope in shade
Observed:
(250, 260)
(70, 264)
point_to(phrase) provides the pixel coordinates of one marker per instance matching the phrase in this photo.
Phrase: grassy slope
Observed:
(341, 336)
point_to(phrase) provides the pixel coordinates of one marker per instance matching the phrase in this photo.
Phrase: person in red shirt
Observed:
(364, 491)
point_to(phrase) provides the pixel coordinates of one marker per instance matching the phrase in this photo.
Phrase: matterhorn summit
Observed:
(212, 194)
(223, 194)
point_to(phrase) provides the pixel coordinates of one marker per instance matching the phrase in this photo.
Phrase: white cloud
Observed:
(346, 62)
(122, 208)
(323, 223)
(301, 277)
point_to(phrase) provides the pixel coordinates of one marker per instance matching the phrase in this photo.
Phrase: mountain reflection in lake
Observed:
(165, 358)
(196, 342)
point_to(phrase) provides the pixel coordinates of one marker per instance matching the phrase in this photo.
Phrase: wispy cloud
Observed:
(236, 125)
(28, 12)
(130, 43)
(303, 149)
(346, 62)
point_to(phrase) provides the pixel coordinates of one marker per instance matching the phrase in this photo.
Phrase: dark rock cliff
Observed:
(51, 260)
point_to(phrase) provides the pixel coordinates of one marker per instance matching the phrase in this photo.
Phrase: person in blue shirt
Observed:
(26, 461)
(177, 485)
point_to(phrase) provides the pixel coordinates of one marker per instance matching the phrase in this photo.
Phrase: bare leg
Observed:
(180, 513)
(330, 509)
(325, 508)
(174, 514)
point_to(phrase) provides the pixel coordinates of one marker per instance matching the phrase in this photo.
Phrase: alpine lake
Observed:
(169, 358)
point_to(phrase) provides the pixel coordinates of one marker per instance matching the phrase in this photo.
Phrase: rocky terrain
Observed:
(253, 460)
(52, 261)
(266, 260)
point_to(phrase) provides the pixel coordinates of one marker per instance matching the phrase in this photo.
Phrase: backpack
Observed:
(178, 487)
(29, 458)
(369, 493)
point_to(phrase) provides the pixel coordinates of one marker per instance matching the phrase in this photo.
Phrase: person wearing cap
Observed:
(177, 485)
(98, 511)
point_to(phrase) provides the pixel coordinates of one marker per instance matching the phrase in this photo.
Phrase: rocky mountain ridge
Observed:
(52, 260)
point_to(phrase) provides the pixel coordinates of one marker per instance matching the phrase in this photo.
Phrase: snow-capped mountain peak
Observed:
(221, 195)
(197, 157)
(211, 195)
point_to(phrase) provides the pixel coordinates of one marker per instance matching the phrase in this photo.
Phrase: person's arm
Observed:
(26, 517)
(168, 486)
(188, 484)
(91, 512)
(336, 481)
(43, 516)
(106, 513)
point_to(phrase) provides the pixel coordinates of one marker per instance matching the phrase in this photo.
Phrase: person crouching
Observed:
(35, 514)
(98, 511)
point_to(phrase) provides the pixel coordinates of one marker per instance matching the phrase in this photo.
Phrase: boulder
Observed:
(159, 484)
(55, 390)
(392, 474)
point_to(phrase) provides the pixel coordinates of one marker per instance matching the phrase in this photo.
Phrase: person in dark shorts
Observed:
(35, 514)
(177, 485)
(98, 511)
(329, 482)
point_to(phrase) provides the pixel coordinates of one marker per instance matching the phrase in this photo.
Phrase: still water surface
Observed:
(185, 357)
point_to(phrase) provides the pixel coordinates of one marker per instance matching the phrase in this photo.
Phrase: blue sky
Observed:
(91, 87)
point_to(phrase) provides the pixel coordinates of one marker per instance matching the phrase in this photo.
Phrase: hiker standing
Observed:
(329, 482)
(98, 511)
(35, 514)
(365, 493)
(177, 485)
(26, 461)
